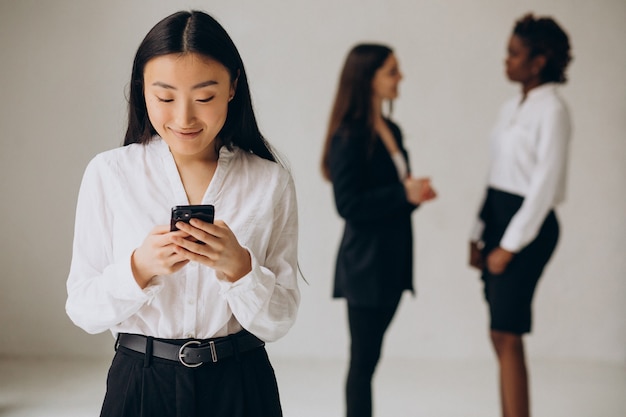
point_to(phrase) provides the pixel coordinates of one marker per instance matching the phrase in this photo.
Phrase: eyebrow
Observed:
(195, 87)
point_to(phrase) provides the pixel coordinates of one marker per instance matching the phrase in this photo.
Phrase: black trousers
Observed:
(367, 329)
(242, 386)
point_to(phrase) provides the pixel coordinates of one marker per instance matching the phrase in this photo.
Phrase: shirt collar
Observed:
(542, 90)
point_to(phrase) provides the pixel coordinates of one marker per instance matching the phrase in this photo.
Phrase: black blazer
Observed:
(375, 258)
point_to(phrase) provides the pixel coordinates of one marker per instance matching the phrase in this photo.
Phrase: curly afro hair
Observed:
(543, 36)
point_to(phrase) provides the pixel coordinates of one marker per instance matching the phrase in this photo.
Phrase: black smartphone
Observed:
(204, 212)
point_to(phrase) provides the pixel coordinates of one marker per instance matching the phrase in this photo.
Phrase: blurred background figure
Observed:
(517, 229)
(374, 192)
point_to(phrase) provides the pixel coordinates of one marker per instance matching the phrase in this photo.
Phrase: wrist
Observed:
(506, 251)
(241, 269)
(477, 244)
(141, 277)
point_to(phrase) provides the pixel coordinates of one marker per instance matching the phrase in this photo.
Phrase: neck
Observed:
(207, 158)
(377, 106)
(529, 85)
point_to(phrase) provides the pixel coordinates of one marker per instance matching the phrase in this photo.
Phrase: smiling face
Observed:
(386, 80)
(187, 101)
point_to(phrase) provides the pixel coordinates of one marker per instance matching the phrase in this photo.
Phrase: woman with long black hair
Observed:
(191, 308)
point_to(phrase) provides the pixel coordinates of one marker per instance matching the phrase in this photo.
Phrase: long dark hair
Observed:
(196, 32)
(543, 36)
(353, 101)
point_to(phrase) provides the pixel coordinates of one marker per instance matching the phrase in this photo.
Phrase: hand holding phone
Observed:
(215, 246)
(204, 212)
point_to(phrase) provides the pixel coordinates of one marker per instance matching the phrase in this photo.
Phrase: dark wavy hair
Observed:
(543, 36)
(196, 32)
(353, 101)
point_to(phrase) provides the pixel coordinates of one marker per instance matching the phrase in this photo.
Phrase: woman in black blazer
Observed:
(374, 192)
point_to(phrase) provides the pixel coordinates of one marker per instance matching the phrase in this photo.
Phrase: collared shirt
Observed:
(529, 150)
(126, 192)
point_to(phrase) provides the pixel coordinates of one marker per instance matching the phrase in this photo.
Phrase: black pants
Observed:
(243, 386)
(367, 329)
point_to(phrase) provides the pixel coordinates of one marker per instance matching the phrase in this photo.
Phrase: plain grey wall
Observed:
(64, 69)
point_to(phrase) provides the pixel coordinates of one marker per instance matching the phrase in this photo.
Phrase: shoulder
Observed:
(350, 136)
(549, 100)
(108, 160)
(255, 168)
(126, 163)
(106, 173)
(553, 112)
(122, 152)
(118, 158)
(350, 130)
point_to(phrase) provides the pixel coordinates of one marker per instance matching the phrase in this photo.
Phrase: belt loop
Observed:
(214, 357)
(147, 359)
(117, 341)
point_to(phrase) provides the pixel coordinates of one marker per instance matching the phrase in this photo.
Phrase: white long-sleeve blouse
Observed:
(126, 192)
(529, 151)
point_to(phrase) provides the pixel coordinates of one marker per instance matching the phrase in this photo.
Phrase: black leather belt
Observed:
(191, 353)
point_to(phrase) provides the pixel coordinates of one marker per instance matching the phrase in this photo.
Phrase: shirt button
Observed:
(190, 302)
(189, 336)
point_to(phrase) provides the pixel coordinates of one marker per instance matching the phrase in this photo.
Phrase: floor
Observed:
(51, 388)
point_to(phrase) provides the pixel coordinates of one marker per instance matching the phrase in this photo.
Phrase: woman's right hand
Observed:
(418, 190)
(157, 255)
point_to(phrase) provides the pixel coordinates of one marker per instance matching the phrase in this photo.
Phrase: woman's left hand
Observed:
(216, 246)
(498, 259)
(476, 256)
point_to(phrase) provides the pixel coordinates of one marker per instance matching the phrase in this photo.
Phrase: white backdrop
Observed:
(64, 69)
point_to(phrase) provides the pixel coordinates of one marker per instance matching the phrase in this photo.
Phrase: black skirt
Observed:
(240, 386)
(510, 294)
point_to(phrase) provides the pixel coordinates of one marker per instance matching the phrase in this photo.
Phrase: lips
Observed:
(186, 134)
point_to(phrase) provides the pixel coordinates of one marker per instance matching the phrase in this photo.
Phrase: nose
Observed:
(185, 115)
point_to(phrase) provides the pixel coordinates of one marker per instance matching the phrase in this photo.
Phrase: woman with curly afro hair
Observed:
(516, 231)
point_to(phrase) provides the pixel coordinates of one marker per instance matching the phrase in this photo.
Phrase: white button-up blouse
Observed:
(126, 192)
(529, 152)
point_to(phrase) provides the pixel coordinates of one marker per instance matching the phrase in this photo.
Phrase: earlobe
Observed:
(233, 86)
(231, 93)
(539, 62)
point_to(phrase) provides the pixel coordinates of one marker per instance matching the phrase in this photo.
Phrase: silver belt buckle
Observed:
(181, 355)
